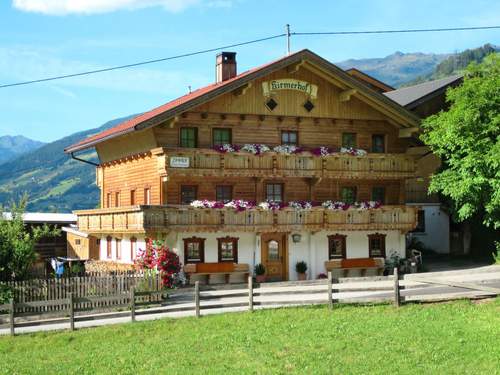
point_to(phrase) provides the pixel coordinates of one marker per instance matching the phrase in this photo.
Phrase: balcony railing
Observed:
(204, 162)
(144, 219)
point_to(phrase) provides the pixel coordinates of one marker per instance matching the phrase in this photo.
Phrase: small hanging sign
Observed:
(309, 89)
(179, 162)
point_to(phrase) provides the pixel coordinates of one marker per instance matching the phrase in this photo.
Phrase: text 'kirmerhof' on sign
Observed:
(309, 89)
(179, 162)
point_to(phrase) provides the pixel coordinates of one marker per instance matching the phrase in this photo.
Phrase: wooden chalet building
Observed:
(354, 147)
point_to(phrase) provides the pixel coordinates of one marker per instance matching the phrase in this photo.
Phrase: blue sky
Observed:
(40, 38)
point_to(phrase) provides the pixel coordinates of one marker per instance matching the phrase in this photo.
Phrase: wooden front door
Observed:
(274, 256)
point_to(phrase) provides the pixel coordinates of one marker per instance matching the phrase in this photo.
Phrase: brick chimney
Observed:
(225, 66)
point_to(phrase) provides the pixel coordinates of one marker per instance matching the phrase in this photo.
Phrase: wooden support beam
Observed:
(295, 67)
(408, 132)
(346, 94)
(173, 121)
(242, 90)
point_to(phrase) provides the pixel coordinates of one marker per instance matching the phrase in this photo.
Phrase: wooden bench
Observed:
(210, 269)
(362, 264)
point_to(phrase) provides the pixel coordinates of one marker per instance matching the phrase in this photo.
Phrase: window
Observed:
(273, 251)
(77, 241)
(133, 248)
(223, 193)
(228, 249)
(378, 143)
(194, 250)
(221, 136)
(189, 137)
(348, 194)
(108, 200)
(132, 197)
(378, 194)
(349, 140)
(98, 242)
(147, 196)
(336, 246)
(108, 247)
(289, 137)
(118, 248)
(274, 192)
(420, 221)
(188, 194)
(117, 199)
(376, 245)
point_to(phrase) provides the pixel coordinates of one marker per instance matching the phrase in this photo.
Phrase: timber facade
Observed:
(153, 168)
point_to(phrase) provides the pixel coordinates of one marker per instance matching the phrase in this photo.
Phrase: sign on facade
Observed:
(309, 89)
(179, 162)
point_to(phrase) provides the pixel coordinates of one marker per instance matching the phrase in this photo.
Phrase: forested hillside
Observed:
(53, 181)
(455, 64)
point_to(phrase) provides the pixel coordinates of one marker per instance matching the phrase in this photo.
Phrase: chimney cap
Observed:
(226, 56)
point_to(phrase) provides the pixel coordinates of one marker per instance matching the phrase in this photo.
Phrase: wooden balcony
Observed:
(153, 219)
(205, 162)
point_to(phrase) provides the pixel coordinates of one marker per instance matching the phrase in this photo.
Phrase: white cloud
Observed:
(63, 7)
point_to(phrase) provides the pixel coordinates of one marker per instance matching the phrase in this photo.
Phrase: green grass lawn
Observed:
(452, 338)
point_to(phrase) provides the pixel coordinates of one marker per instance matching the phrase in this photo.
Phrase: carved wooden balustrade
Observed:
(205, 162)
(151, 219)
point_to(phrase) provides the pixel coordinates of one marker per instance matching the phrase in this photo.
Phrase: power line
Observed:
(396, 31)
(287, 34)
(142, 62)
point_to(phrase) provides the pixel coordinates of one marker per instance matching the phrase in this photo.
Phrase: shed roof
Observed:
(406, 96)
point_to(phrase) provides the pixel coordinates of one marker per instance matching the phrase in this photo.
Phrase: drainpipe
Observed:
(83, 160)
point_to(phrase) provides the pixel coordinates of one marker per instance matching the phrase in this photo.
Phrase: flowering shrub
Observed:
(157, 258)
(226, 147)
(353, 151)
(255, 148)
(169, 266)
(287, 149)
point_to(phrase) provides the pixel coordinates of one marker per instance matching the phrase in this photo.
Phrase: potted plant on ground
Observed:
(301, 268)
(260, 273)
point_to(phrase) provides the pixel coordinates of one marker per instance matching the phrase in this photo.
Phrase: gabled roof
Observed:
(202, 95)
(412, 95)
(369, 79)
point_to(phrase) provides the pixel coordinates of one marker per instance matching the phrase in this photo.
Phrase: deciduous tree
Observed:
(467, 139)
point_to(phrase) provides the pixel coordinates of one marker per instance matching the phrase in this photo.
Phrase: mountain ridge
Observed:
(12, 146)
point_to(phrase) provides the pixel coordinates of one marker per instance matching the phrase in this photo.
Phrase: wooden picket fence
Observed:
(30, 294)
(129, 300)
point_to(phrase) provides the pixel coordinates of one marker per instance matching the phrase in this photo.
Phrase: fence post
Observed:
(132, 303)
(250, 293)
(197, 298)
(330, 286)
(335, 281)
(397, 296)
(71, 312)
(11, 317)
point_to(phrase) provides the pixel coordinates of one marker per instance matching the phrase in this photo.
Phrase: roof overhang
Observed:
(391, 109)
